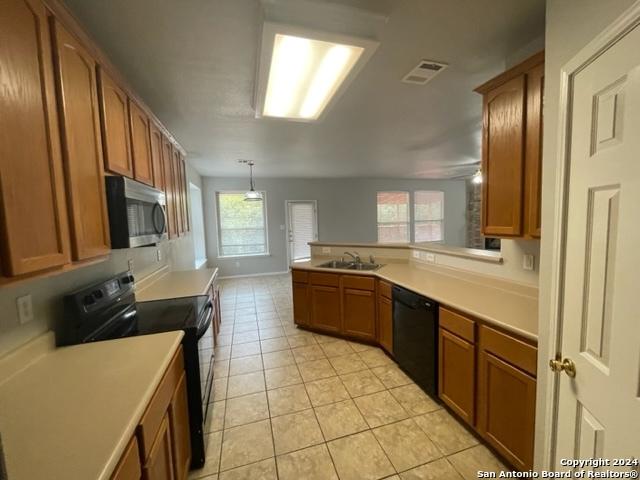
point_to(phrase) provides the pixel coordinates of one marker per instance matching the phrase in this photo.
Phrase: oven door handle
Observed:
(207, 315)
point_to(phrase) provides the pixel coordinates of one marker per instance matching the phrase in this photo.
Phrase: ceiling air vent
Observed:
(424, 72)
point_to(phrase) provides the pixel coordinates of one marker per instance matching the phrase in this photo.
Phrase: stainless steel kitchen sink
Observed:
(350, 265)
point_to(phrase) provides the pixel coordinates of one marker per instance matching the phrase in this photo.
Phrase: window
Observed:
(393, 217)
(242, 225)
(428, 215)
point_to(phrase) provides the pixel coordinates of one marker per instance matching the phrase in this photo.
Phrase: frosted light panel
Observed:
(305, 74)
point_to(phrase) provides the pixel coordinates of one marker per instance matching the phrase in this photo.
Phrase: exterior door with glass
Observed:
(302, 228)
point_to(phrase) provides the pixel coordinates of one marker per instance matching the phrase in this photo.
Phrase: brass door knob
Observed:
(567, 366)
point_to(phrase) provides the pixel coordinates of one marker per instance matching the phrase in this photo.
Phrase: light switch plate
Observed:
(429, 257)
(159, 255)
(528, 261)
(416, 254)
(25, 309)
(130, 264)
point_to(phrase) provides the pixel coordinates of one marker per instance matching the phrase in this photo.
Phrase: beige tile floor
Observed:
(290, 404)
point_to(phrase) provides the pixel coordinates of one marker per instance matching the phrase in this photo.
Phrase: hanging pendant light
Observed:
(251, 195)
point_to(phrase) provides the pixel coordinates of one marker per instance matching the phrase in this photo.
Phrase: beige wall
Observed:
(47, 292)
(571, 24)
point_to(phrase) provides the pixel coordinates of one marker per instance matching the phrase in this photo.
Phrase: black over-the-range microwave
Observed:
(137, 213)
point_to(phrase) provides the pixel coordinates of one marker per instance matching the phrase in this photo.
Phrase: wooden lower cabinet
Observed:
(162, 444)
(129, 467)
(180, 437)
(159, 464)
(456, 376)
(359, 313)
(301, 304)
(325, 308)
(507, 396)
(385, 323)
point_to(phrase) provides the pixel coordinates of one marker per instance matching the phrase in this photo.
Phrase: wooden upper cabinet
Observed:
(511, 150)
(178, 191)
(167, 163)
(156, 157)
(503, 159)
(185, 204)
(533, 152)
(33, 228)
(140, 144)
(81, 146)
(114, 116)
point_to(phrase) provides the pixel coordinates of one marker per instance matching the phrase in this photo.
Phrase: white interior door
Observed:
(302, 228)
(598, 411)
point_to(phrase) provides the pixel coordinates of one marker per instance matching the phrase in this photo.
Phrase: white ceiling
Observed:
(194, 63)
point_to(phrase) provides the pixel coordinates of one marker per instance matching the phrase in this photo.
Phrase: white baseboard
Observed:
(254, 275)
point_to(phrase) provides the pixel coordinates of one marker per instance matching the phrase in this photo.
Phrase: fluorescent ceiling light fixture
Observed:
(301, 72)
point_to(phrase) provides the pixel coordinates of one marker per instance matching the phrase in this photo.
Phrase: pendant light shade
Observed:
(251, 195)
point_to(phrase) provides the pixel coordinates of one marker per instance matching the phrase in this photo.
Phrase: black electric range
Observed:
(108, 310)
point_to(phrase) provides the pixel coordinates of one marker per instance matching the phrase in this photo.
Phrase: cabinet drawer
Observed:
(159, 404)
(514, 351)
(129, 467)
(299, 276)
(328, 279)
(359, 283)
(462, 326)
(385, 289)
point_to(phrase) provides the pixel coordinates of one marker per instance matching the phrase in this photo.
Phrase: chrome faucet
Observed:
(355, 256)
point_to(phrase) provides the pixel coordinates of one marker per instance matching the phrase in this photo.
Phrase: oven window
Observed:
(145, 218)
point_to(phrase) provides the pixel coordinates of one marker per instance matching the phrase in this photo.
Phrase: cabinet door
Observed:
(456, 375)
(178, 191)
(167, 163)
(180, 438)
(156, 157)
(301, 303)
(128, 467)
(185, 204)
(503, 159)
(33, 221)
(325, 307)
(385, 323)
(81, 146)
(114, 117)
(140, 144)
(159, 464)
(359, 313)
(533, 161)
(506, 409)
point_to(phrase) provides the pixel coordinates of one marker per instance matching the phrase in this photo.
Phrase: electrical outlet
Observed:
(326, 249)
(429, 257)
(159, 255)
(130, 264)
(25, 308)
(527, 261)
(416, 254)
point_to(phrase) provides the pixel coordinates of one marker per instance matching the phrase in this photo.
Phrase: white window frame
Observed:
(414, 221)
(219, 228)
(408, 222)
(197, 222)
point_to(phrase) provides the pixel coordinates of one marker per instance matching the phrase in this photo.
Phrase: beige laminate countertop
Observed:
(514, 309)
(71, 413)
(176, 284)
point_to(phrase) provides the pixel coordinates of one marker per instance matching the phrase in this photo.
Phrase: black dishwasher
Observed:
(415, 338)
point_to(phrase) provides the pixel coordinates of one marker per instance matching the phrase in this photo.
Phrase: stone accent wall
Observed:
(474, 236)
